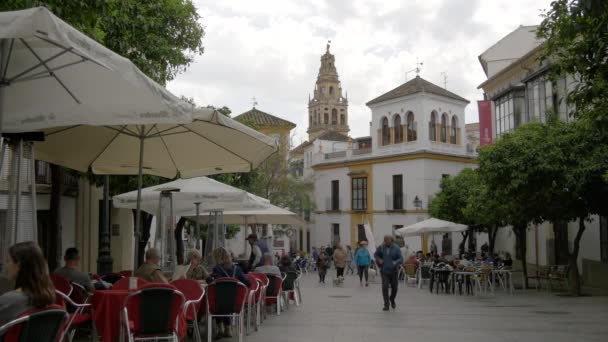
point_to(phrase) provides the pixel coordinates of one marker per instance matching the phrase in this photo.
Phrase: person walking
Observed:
(339, 261)
(363, 260)
(322, 265)
(349, 260)
(388, 257)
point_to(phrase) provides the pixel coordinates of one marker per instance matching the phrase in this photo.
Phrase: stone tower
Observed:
(328, 109)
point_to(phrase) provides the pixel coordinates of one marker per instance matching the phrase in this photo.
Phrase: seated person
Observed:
(507, 261)
(27, 267)
(150, 270)
(70, 270)
(268, 267)
(196, 270)
(225, 268)
(285, 265)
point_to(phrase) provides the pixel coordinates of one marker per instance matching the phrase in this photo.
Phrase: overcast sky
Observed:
(271, 50)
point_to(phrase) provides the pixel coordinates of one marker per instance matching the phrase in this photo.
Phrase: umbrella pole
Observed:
(197, 233)
(138, 210)
(3, 84)
(18, 194)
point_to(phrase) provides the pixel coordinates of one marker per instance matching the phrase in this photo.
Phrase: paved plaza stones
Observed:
(353, 313)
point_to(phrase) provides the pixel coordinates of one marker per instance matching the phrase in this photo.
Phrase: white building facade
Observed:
(387, 180)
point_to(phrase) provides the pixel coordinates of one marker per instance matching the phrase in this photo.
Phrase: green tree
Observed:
(576, 44)
(466, 199)
(549, 172)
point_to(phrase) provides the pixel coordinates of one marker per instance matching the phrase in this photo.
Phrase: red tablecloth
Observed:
(106, 314)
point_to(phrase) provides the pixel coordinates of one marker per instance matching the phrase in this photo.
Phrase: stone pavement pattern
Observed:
(353, 313)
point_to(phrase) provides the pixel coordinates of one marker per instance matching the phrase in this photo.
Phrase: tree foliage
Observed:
(160, 37)
(466, 199)
(576, 44)
(549, 172)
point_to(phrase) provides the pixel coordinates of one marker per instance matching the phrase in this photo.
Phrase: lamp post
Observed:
(417, 203)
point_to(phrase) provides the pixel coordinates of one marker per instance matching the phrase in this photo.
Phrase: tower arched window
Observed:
(331, 90)
(310, 120)
(444, 128)
(334, 116)
(398, 129)
(326, 118)
(411, 127)
(454, 130)
(386, 133)
(342, 120)
(433, 127)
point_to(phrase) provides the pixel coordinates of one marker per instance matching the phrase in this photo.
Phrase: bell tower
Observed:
(328, 109)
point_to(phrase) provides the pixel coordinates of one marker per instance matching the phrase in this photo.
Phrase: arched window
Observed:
(454, 130)
(342, 121)
(310, 120)
(331, 90)
(326, 118)
(433, 127)
(398, 129)
(386, 133)
(444, 128)
(334, 116)
(411, 127)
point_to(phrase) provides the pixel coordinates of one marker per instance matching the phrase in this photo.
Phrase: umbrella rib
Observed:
(44, 74)
(71, 51)
(169, 153)
(118, 132)
(124, 129)
(36, 66)
(46, 67)
(8, 59)
(163, 132)
(61, 130)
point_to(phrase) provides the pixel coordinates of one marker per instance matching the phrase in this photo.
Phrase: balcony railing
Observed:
(332, 204)
(360, 151)
(334, 155)
(395, 201)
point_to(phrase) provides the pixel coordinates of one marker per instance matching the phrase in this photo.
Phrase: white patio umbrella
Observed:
(212, 143)
(188, 195)
(53, 75)
(432, 225)
(270, 215)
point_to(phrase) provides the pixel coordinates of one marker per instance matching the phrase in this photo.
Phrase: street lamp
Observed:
(417, 203)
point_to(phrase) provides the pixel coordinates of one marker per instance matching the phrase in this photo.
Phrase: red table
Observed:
(106, 314)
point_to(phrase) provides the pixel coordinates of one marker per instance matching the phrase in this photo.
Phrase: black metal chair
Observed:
(291, 287)
(38, 325)
(152, 313)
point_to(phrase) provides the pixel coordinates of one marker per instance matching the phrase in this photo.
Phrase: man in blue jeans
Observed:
(388, 257)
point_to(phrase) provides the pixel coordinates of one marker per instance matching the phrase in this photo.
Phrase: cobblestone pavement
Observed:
(353, 313)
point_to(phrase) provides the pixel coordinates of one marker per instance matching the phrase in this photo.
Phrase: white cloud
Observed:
(271, 50)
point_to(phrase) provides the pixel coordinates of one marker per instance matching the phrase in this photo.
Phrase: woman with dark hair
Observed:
(33, 287)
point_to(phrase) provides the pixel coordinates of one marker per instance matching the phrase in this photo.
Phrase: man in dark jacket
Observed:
(388, 257)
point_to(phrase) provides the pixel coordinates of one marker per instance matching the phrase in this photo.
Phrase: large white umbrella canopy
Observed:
(53, 75)
(432, 225)
(209, 193)
(212, 143)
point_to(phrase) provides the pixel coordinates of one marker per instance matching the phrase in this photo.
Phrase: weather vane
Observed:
(255, 103)
(328, 43)
(417, 69)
